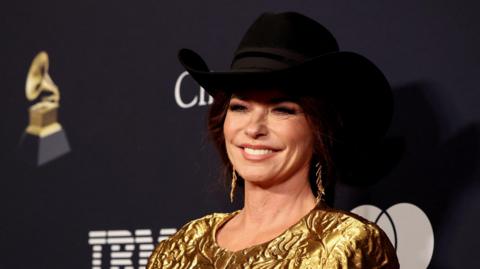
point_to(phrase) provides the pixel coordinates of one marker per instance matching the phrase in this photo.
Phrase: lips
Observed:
(257, 152)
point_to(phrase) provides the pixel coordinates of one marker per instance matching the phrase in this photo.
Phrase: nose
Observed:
(257, 126)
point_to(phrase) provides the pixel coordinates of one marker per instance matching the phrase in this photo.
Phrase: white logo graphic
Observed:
(197, 99)
(122, 246)
(409, 230)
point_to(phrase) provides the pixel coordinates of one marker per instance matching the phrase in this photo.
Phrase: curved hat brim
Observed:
(357, 87)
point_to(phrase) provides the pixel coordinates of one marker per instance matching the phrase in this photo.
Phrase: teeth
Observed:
(257, 151)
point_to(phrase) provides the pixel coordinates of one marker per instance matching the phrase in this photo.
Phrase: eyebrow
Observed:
(274, 100)
(282, 99)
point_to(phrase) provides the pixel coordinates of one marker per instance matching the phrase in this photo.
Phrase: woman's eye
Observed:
(285, 110)
(237, 107)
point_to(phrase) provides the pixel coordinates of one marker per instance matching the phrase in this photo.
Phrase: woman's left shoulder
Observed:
(353, 239)
(348, 223)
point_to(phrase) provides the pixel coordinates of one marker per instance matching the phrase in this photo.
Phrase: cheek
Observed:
(297, 134)
(232, 125)
(228, 128)
(228, 134)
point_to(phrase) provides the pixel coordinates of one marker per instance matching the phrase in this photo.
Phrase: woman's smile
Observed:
(267, 136)
(257, 152)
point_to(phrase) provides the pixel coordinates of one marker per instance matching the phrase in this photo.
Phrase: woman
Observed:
(291, 107)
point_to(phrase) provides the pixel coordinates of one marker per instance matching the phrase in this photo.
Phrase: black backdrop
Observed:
(140, 163)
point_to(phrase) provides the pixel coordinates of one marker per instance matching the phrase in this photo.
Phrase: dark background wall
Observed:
(140, 161)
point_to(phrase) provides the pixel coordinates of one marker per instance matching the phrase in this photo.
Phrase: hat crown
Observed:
(289, 36)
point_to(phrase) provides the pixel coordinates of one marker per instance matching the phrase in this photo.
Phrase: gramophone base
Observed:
(38, 150)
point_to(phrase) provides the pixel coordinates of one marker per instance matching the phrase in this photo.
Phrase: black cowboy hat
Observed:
(293, 52)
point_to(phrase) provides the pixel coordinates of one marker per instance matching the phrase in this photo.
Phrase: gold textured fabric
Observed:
(324, 238)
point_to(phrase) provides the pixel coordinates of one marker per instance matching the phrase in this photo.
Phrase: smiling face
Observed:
(267, 137)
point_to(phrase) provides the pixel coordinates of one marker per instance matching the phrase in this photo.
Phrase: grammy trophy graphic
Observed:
(44, 139)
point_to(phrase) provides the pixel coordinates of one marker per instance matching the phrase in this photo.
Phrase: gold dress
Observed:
(324, 238)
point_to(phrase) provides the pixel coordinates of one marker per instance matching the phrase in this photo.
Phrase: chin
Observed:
(257, 178)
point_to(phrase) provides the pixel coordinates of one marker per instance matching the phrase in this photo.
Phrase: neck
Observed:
(281, 204)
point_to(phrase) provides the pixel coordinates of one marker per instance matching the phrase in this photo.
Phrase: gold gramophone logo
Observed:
(44, 139)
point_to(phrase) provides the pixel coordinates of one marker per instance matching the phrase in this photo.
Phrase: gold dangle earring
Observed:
(320, 188)
(234, 184)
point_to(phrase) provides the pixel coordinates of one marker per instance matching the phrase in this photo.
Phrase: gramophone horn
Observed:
(38, 80)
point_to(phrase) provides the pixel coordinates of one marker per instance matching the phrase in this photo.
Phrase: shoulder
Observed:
(198, 228)
(188, 237)
(349, 225)
(352, 240)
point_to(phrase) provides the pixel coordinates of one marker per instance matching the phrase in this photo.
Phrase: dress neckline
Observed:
(283, 234)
